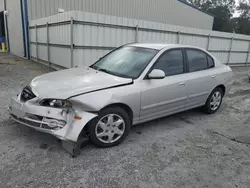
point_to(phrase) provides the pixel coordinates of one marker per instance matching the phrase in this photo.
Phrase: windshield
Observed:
(126, 62)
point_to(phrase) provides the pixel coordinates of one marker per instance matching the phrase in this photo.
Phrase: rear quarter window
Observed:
(210, 62)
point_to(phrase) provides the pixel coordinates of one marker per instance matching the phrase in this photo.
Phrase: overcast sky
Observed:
(236, 14)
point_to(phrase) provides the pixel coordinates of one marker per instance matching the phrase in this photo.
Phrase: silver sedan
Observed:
(132, 84)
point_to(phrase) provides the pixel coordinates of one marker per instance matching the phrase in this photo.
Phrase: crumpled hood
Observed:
(67, 83)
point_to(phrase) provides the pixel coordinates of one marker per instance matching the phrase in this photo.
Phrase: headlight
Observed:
(56, 103)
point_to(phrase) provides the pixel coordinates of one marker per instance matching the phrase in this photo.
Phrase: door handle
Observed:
(182, 84)
(214, 76)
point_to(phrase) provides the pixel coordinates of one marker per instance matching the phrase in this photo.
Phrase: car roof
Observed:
(161, 46)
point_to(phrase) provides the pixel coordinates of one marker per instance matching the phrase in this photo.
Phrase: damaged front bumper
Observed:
(60, 122)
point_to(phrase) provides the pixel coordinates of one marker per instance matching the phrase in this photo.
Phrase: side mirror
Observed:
(156, 74)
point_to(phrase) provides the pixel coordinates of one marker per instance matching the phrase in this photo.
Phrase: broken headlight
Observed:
(58, 103)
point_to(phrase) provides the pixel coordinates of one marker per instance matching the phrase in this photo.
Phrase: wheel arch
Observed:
(125, 107)
(121, 105)
(221, 86)
(111, 108)
(206, 107)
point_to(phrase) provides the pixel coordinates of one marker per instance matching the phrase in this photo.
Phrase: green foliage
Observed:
(242, 23)
(223, 12)
(222, 19)
(208, 5)
(221, 9)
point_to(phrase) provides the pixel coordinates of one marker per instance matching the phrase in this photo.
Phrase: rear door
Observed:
(201, 77)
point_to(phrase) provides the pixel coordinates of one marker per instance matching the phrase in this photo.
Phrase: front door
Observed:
(161, 97)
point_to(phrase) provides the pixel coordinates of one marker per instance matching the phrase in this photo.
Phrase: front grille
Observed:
(27, 94)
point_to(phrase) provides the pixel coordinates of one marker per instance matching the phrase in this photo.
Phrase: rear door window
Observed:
(197, 60)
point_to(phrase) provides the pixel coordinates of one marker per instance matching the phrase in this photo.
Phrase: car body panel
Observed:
(90, 91)
(198, 92)
(128, 95)
(162, 97)
(66, 83)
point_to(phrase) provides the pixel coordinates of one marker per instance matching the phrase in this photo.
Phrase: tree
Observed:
(208, 5)
(242, 23)
(221, 9)
(244, 9)
(222, 20)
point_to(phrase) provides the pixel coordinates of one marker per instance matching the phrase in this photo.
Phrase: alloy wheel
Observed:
(110, 128)
(215, 101)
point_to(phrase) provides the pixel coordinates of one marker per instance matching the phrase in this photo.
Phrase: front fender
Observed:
(95, 101)
(77, 126)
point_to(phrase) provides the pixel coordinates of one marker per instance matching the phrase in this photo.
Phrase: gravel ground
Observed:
(189, 149)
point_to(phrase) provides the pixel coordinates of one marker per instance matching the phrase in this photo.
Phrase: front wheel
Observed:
(214, 101)
(110, 128)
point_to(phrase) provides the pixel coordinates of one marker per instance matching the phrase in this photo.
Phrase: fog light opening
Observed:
(54, 123)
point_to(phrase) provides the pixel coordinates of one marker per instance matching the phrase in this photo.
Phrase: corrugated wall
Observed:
(93, 35)
(164, 11)
(1, 5)
(15, 27)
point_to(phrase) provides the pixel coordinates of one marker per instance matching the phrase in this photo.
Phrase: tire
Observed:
(110, 122)
(208, 107)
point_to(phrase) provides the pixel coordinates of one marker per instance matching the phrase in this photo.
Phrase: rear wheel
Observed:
(214, 101)
(110, 128)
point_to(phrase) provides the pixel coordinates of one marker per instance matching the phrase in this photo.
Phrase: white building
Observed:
(16, 15)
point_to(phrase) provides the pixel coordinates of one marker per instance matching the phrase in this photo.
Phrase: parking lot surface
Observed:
(189, 149)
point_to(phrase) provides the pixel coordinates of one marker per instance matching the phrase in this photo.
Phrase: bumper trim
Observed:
(31, 126)
(41, 122)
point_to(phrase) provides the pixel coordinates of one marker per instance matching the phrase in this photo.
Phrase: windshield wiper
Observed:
(93, 67)
(113, 73)
(100, 69)
(109, 72)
